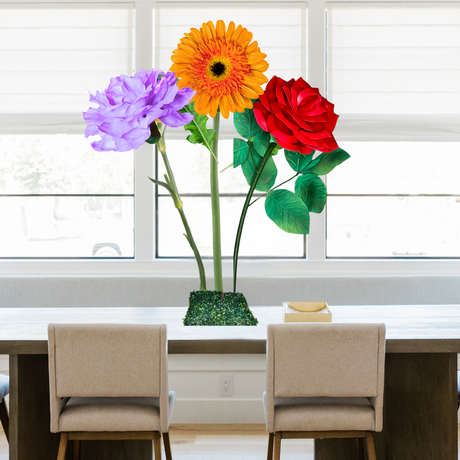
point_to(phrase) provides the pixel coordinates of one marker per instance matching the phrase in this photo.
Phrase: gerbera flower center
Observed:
(218, 68)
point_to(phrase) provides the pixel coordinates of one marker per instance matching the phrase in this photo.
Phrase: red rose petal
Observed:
(287, 91)
(299, 120)
(263, 98)
(307, 97)
(279, 91)
(282, 113)
(314, 136)
(304, 109)
(279, 129)
(297, 147)
(269, 94)
(261, 113)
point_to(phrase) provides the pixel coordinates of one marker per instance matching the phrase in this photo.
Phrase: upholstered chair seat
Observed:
(113, 414)
(323, 414)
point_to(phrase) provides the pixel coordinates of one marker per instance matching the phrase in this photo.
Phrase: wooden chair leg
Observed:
(76, 450)
(360, 442)
(4, 419)
(277, 450)
(167, 446)
(62, 446)
(270, 446)
(370, 446)
(157, 445)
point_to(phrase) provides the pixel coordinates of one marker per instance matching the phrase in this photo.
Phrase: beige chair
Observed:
(109, 381)
(324, 381)
(4, 390)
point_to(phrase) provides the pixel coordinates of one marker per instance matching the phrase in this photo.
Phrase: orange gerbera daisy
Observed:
(222, 66)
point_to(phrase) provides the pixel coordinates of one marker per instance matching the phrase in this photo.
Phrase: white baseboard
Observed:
(218, 411)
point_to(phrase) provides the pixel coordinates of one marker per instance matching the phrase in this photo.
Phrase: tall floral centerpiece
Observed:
(218, 70)
(226, 69)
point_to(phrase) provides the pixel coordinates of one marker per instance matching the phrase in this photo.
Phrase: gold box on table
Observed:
(306, 312)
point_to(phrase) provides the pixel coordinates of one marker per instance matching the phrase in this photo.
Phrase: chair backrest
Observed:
(113, 360)
(328, 359)
(337, 360)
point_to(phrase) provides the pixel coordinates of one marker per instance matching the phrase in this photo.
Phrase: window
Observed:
(388, 65)
(391, 69)
(58, 196)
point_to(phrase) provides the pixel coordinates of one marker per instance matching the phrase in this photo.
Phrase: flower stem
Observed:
(180, 208)
(259, 170)
(215, 207)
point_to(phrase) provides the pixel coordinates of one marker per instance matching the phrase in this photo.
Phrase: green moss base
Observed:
(214, 308)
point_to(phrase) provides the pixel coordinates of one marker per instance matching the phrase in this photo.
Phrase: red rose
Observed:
(297, 116)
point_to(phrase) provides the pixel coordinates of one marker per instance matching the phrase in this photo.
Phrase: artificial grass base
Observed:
(214, 308)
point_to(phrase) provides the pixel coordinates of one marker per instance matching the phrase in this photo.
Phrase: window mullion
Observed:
(316, 241)
(143, 189)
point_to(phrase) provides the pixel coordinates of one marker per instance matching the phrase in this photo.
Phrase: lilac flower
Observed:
(130, 105)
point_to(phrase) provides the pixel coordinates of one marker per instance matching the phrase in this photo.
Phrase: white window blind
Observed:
(394, 58)
(52, 54)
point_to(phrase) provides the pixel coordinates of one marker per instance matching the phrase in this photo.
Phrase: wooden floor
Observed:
(222, 442)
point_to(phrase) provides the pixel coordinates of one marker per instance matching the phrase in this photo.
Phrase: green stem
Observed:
(215, 207)
(179, 205)
(259, 170)
(196, 252)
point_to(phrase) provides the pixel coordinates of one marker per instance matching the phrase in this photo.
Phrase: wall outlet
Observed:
(226, 385)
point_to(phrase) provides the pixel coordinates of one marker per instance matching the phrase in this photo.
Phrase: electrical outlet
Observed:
(226, 385)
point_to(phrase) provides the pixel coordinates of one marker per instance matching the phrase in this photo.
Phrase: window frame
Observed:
(144, 262)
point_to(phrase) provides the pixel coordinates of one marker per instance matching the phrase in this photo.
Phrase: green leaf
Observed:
(200, 134)
(312, 191)
(246, 124)
(288, 211)
(155, 134)
(267, 178)
(261, 142)
(240, 151)
(297, 161)
(326, 162)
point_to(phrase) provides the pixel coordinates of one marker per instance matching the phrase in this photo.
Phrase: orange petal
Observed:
(248, 102)
(223, 106)
(252, 47)
(230, 103)
(212, 29)
(261, 66)
(214, 107)
(256, 57)
(239, 102)
(180, 59)
(205, 100)
(236, 34)
(220, 29)
(207, 34)
(260, 77)
(187, 45)
(231, 29)
(248, 92)
(195, 35)
(246, 38)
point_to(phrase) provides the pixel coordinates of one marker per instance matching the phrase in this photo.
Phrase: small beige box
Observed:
(307, 312)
